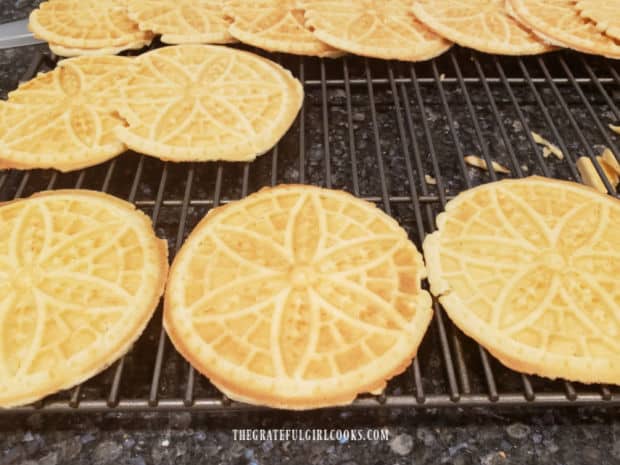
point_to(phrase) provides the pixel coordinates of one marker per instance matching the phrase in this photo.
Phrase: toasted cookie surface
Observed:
(483, 25)
(297, 297)
(559, 22)
(63, 51)
(65, 118)
(201, 103)
(605, 14)
(377, 28)
(81, 275)
(182, 21)
(528, 268)
(86, 24)
(275, 25)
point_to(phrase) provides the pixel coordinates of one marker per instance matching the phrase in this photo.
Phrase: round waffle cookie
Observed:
(86, 24)
(559, 22)
(604, 13)
(182, 21)
(529, 269)
(65, 119)
(275, 25)
(63, 51)
(483, 25)
(297, 297)
(376, 28)
(201, 103)
(81, 275)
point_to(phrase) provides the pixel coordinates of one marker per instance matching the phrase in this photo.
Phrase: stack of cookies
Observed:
(389, 29)
(87, 27)
(383, 29)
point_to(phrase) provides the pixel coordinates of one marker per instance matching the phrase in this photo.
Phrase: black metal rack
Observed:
(376, 129)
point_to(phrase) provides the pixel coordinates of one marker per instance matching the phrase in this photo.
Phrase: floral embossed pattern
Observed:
(483, 25)
(65, 118)
(298, 297)
(201, 102)
(80, 275)
(560, 22)
(275, 25)
(530, 269)
(183, 21)
(605, 14)
(86, 24)
(378, 28)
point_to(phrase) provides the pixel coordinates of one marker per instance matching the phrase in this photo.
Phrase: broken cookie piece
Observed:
(548, 147)
(430, 180)
(590, 176)
(478, 162)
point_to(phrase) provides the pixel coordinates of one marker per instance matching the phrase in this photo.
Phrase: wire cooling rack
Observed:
(379, 130)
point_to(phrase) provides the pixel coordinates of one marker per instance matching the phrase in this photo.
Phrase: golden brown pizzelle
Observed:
(376, 28)
(275, 25)
(86, 24)
(206, 102)
(66, 118)
(483, 25)
(81, 275)
(297, 297)
(528, 269)
(183, 21)
(69, 52)
(559, 22)
(605, 15)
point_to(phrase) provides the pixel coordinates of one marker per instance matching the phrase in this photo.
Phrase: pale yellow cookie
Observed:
(275, 25)
(297, 297)
(559, 22)
(82, 273)
(529, 269)
(63, 51)
(66, 118)
(86, 24)
(604, 13)
(376, 28)
(183, 21)
(206, 102)
(483, 25)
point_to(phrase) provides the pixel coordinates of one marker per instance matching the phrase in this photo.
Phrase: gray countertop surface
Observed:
(481, 436)
(12, 10)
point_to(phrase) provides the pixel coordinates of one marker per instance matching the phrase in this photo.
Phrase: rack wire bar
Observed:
(434, 401)
(380, 130)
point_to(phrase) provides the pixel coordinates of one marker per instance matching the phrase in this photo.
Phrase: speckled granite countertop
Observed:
(12, 10)
(562, 437)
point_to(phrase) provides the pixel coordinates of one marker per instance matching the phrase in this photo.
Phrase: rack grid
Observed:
(377, 129)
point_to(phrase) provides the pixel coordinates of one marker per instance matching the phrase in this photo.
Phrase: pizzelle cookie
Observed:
(297, 297)
(82, 273)
(68, 52)
(376, 28)
(65, 119)
(528, 268)
(275, 25)
(182, 21)
(86, 24)
(559, 22)
(604, 13)
(201, 103)
(483, 25)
